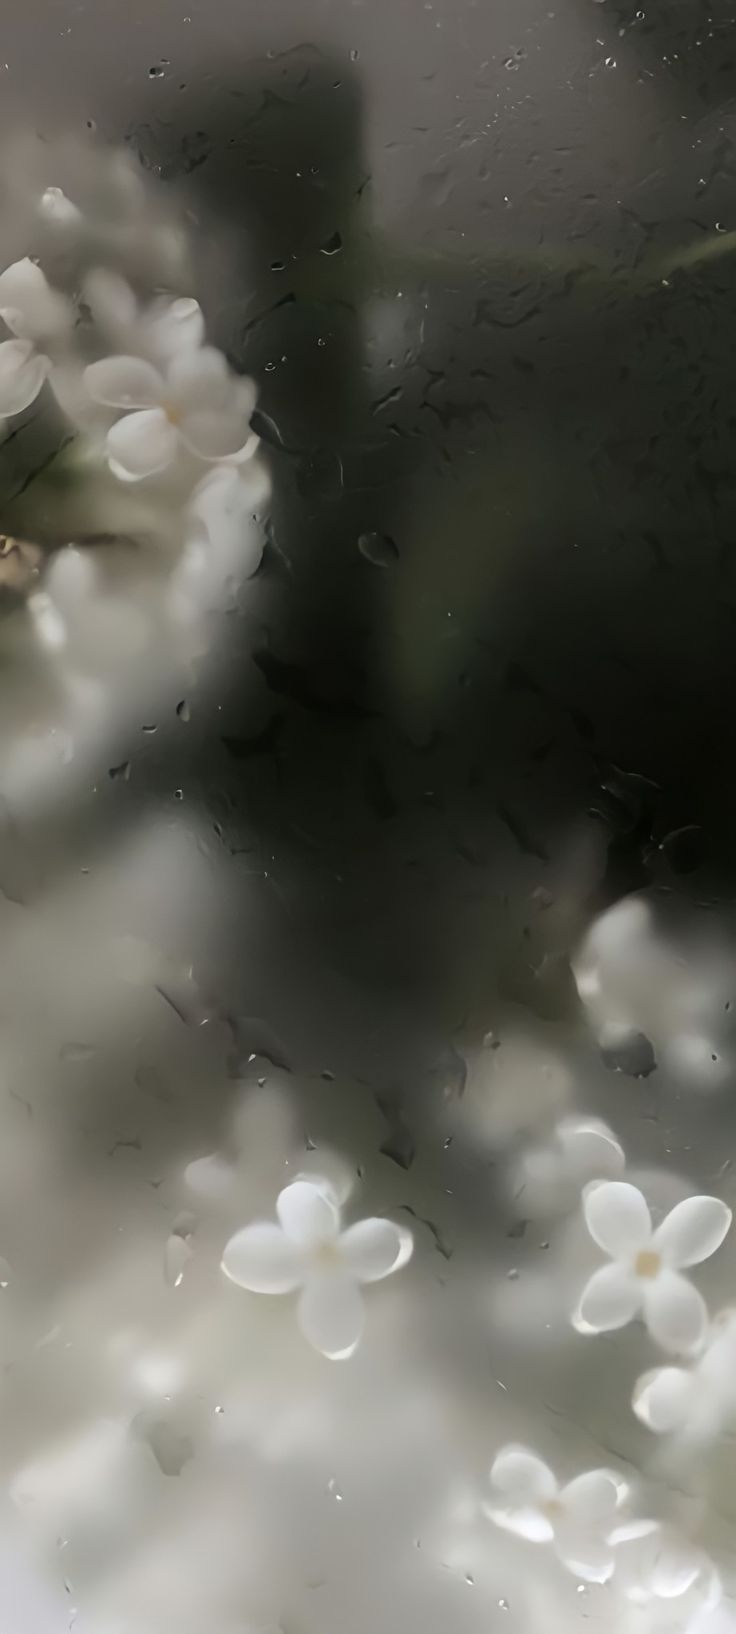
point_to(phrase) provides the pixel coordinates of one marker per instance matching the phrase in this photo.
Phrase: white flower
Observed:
(194, 401)
(577, 1518)
(698, 1400)
(580, 1149)
(36, 315)
(308, 1250)
(645, 1276)
(653, 1562)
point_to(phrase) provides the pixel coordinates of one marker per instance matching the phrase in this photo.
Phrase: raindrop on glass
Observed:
(378, 548)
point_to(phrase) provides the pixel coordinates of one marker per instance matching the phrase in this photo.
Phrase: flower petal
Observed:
(263, 1260)
(124, 382)
(199, 380)
(141, 444)
(609, 1300)
(110, 299)
(584, 1552)
(593, 1498)
(218, 434)
(307, 1215)
(527, 1523)
(663, 1397)
(590, 1148)
(373, 1248)
(692, 1231)
(617, 1217)
(674, 1566)
(331, 1314)
(674, 1312)
(28, 304)
(522, 1476)
(22, 374)
(175, 327)
(54, 206)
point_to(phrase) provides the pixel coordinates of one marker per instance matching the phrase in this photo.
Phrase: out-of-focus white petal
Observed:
(22, 374)
(110, 299)
(674, 1568)
(174, 327)
(217, 434)
(593, 1498)
(617, 1217)
(141, 444)
(584, 1552)
(28, 304)
(609, 1300)
(692, 1231)
(124, 383)
(54, 206)
(674, 1312)
(590, 1148)
(307, 1215)
(663, 1398)
(210, 1177)
(263, 1260)
(614, 932)
(526, 1522)
(199, 380)
(372, 1249)
(48, 622)
(523, 1477)
(330, 1314)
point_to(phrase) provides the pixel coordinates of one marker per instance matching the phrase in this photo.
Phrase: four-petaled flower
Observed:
(645, 1276)
(192, 401)
(697, 1400)
(577, 1518)
(308, 1250)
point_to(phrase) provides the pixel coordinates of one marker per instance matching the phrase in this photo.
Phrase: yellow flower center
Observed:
(172, 413)
(327, 1254)
(647, 1263)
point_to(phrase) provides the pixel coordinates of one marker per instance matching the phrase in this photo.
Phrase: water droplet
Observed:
(609, 62)
(334, 1490)
(504, 1605)
(513, 1275)
(183, 710)
(120, 773)
(156, 72)
(514, 60)
(378, 548)
(220, 1410)
(4, 1273)
(354, 55)
(332, 245)
(178, 794)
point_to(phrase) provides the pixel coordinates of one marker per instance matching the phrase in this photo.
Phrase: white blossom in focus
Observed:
(193, 401)
(698, 1400)
(308, 1250)
(577, 1518)
(579, 1149)
(645, 1274)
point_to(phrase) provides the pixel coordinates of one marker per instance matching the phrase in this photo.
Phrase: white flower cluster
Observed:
(643, 1277)
(156, 450)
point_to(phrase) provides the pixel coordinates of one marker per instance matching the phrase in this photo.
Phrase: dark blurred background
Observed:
(481, 262)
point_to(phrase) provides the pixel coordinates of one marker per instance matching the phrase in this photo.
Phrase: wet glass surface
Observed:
(324, 879)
